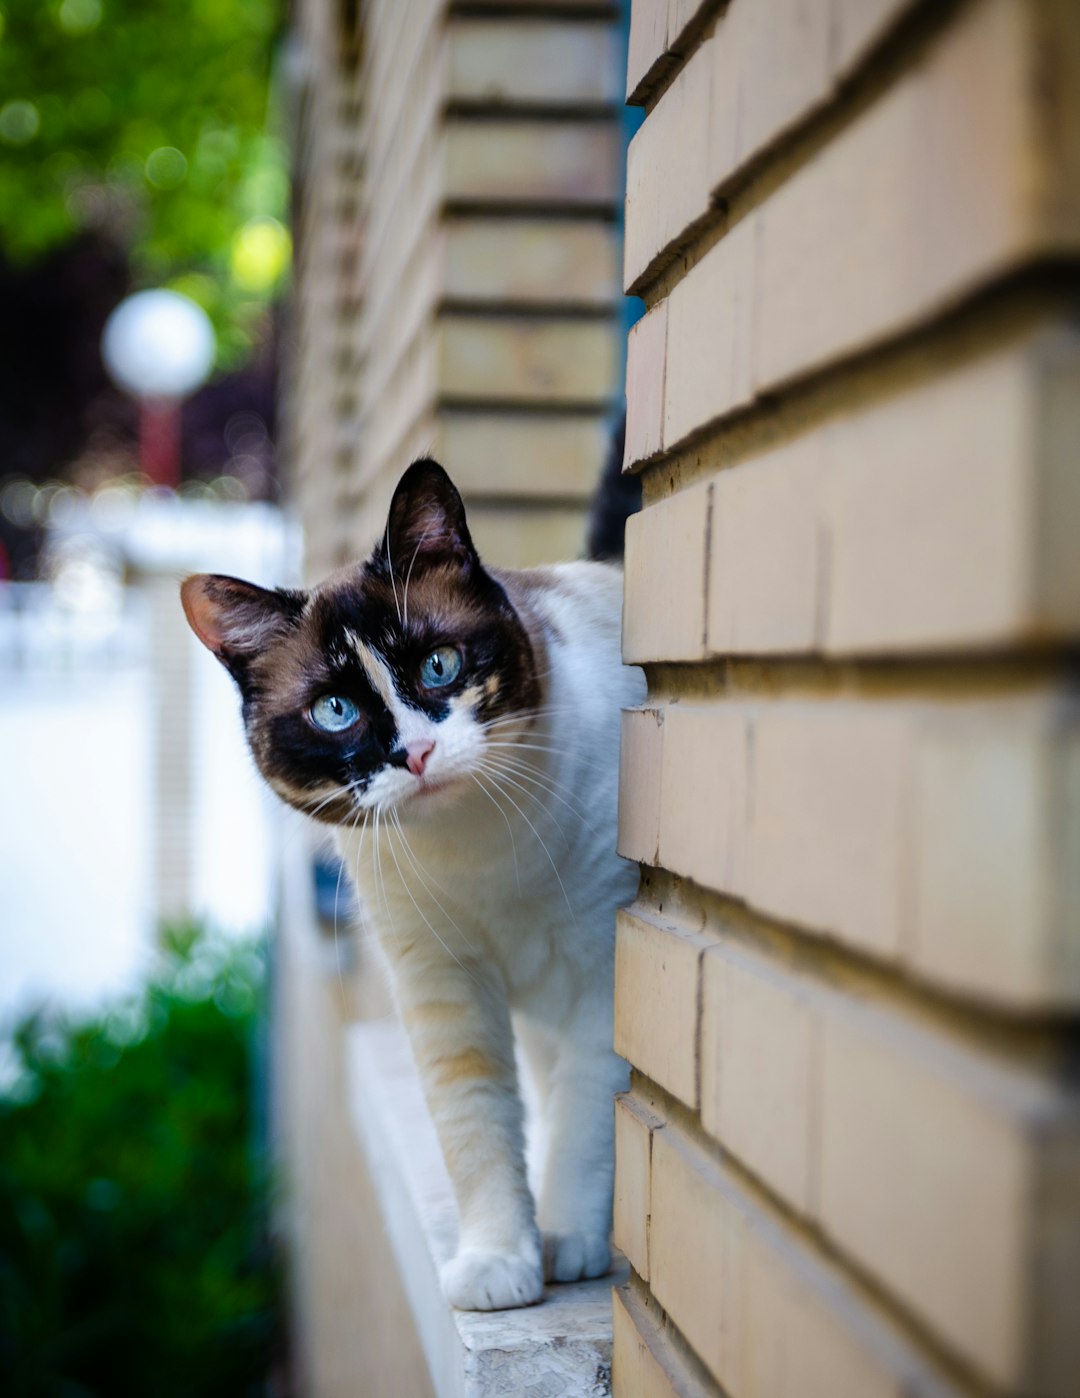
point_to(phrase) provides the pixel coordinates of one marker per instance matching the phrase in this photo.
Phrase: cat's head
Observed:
(385, 684)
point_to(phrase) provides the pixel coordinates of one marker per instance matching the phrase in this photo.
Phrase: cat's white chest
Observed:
(517, 870)
(529, 895)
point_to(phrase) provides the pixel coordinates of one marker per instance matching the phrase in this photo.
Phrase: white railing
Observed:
(42, 635)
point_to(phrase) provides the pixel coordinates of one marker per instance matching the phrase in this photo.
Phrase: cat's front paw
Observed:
(572, 1256)
(491, 1281)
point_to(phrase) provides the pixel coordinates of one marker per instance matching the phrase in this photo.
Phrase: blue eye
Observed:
(334, 713)
(441, 667)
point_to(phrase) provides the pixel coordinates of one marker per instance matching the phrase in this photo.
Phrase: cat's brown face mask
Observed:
(379, 687)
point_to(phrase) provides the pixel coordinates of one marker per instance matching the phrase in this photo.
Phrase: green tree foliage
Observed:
(132, 1196)
(148, 120)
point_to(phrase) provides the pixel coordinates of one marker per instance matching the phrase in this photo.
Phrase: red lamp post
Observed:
(159, 347)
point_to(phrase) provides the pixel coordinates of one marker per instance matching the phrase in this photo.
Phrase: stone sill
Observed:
(558, 1349)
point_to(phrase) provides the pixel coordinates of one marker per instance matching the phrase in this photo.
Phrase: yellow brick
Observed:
(759, 1074)
(512, 538)
(408, 397)
(645, 351)
(857, 25)
(798, 1343)
(659, 35)
(940, 185)
(667, 167)
(1055, 1337)
(703, 806)
(395, 328)
(520, 162)
(538, 63)
(767, 1316)
(529, 260)
(405, 156)
(656, 1000)
(783, 61)
(725, 95)
(647, 45)
(930, 1162)
(931, 514)
(664, 606)
(929, 1158)
(827, 841)
(390, 254)
(765, 548)
(944, 182)
(641, 1359)
(710, 335)
(634, 1125)
(681, 13)
(1067, 846)
(996, 903)
(695, 1254)
(927, 1163)
(527, 360)
(640, 769)
(769, 66)
(529, 457)
(858, 269)
(889, 490)
(1057, 412)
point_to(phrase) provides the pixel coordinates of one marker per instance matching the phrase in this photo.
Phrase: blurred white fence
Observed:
(76, 798)
(121, 799)
(39, 635)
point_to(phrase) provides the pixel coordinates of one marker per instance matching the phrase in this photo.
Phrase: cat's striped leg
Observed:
(579, 1165)
(459, 1028)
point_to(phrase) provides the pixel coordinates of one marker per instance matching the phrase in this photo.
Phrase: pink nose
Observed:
(417, 755)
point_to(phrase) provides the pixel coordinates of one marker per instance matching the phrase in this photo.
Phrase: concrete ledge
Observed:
(561, 1347)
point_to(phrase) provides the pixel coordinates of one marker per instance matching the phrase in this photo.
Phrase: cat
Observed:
(459, 727)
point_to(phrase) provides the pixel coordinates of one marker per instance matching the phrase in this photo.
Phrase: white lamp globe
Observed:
(158, 344)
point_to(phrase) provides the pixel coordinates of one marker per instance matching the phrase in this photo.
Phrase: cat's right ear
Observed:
(426, 526)
(236, 620)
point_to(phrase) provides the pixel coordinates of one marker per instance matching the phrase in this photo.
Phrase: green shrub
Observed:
(134, 1194)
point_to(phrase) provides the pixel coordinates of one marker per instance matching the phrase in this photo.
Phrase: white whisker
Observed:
(390, 570)
(508, 776)
(527, 715)
(337, 895)
(376, 856)
(509, 827)
(312, 811)
(420, 873)
(525, 746)
(404, 883)
(552, 787)
(408, 575)
(554, 867)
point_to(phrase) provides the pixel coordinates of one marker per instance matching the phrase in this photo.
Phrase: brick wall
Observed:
(320, 386)
(490, 331)
(458, 183)
(459, 180)
(849, 1163)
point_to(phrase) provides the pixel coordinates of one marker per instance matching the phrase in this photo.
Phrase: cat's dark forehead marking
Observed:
(434, 600)
(354, 630)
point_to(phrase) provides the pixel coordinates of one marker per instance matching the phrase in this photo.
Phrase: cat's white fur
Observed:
(496, 897)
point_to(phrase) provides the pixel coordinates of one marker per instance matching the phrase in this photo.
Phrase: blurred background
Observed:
(141, 148)
(176, 377)
(255, 257)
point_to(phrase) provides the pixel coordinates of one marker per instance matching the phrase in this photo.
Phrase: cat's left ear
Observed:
(236, 620)
(426, 525)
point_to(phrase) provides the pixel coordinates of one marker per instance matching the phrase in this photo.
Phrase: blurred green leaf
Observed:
(133, 1200)
(148, 121)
